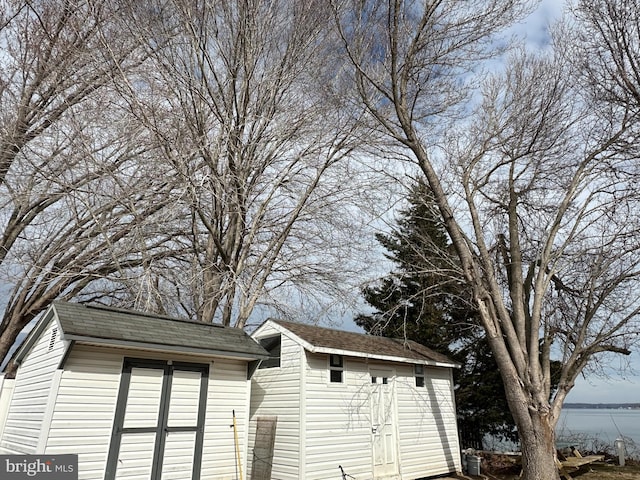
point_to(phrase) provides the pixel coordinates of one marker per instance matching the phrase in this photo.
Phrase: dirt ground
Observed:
(595, 472)
(506, 469)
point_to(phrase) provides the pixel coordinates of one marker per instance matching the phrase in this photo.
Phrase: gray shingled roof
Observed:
(107, 325)
(362, 343)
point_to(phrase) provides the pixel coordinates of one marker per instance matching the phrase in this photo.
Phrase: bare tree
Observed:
(247, 106)
(536, 189)
(76, 205)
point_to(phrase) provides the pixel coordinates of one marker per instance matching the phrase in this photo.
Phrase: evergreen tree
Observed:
(424, 299)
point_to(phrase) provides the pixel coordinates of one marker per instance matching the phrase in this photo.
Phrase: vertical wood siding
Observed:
(31, 392)
(276, 392)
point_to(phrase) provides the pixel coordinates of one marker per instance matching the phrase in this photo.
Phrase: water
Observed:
(590, 429)
(600, 425)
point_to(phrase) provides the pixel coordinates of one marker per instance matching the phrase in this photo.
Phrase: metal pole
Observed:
(235, 435)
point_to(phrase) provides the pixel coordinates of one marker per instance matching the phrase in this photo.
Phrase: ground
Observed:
(505, 469)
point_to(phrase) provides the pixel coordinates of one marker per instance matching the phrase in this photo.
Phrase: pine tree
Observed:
(424, 299)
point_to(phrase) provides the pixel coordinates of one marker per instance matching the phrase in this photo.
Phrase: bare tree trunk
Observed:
(538, 458)
(536, 184)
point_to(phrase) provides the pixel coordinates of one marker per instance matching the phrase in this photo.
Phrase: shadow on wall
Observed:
(257, 397)
(450, 447)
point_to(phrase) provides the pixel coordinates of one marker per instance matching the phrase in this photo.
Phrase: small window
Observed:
(336, 368)
(273, 346)
(419, 374)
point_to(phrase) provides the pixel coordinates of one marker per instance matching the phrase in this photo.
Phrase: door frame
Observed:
(161, 428)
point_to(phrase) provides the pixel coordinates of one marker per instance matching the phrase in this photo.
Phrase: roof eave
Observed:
(164, 348)
(34, 334)
(388, 358)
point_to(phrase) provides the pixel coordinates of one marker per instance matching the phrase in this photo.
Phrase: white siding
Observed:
(6, 392)
(31, 392)
(85, 407)
(276, 392)
(323, 426)
(427, 423)
(86, 403)
(228, 391)
(338, 420)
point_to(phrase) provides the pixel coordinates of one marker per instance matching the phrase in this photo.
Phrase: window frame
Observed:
(337, 368)
(419, 375)
(271, 343)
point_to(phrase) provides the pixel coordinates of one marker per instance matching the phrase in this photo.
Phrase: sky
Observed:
(618, 387)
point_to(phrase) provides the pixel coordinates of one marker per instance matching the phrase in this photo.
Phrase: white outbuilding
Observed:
(336, 404)
(136, 396)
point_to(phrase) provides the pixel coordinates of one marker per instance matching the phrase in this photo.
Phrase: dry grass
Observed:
(498, 467)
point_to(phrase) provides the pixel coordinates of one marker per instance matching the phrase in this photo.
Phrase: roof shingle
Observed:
(102, 323)
(363, 343)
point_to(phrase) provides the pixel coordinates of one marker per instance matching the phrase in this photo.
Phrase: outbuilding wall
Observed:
(31, 395)
(6, 392)
(72, 410)
(323, 426)
(84, 408)
(338, 419)
(277, 392)
(427, 426)
(82, 419)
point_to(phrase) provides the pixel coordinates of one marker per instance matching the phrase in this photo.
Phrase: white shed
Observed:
(134, 395)
(343, 402)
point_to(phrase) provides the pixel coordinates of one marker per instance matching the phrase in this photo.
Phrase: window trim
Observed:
(271, 343)
(419, 375)
(337, 366)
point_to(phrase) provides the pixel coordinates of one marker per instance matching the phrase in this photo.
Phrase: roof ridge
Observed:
(138, 313)
(364, 334)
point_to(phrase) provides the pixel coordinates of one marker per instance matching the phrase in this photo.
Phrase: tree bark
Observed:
(538, 447)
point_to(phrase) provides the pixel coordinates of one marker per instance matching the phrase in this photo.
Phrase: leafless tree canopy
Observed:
(216, 159)
(194, 158)
(68, 157)
(535, 182)
(246, 107)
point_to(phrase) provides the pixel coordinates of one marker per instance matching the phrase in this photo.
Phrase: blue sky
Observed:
(616, 389)
(619, 388)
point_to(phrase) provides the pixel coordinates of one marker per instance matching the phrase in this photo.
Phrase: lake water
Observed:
(602, 424)
(591, 429)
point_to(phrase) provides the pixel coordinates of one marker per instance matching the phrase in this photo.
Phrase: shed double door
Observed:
(159, 422)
